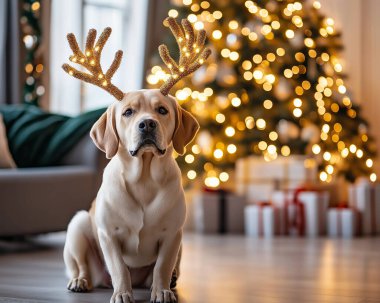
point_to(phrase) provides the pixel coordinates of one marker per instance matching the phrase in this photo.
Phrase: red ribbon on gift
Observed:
(342, 205)
(217, 191)
(264, 203)
(298, 223)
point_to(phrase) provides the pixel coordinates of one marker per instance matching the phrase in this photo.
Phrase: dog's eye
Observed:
(128, 112)
(162, 110)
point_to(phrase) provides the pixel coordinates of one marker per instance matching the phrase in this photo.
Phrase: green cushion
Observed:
(37, 138)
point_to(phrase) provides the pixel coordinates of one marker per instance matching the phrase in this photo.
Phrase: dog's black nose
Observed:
(147, 126)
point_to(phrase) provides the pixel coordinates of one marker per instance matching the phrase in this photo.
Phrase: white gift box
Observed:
(260, 220)
(256, 168)
(365, 197)
(301, 168)
(308, 219)
(316, 204)
(218, 212)
(257, 192)
(257, 178)
(342, 222)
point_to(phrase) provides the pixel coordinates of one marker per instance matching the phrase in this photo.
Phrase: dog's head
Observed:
(144, 121)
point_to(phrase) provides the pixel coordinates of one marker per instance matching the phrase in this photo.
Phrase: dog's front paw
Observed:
(122, 297)
(162, 295)
(78, 285)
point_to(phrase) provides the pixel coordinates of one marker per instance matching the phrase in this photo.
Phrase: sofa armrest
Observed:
(38, 200)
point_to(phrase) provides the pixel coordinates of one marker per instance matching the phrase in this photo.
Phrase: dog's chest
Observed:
(140, 247)
(142, 224)
(144, 193)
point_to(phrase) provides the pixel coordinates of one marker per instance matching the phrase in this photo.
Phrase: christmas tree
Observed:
(274, 86)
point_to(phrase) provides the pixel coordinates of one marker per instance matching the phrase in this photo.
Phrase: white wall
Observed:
(360, 24)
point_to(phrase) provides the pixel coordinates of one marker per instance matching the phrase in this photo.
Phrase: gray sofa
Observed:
(40, 200)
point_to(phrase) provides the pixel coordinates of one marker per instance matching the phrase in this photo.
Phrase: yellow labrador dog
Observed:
(132, 234)
(134, 226)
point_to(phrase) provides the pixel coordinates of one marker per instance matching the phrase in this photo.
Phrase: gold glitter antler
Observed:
(91, 61)
(191, 50)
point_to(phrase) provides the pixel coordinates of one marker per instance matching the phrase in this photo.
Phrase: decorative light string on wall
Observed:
(30, 22)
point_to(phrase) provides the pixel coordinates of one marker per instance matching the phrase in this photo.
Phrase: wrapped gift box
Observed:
(316, 204)
(218, 212)
(283, 168)
(365, 197)
(342, 221)
(260, 220)
(301, 212)
(257, 178)
(256, 168)
(257, 191)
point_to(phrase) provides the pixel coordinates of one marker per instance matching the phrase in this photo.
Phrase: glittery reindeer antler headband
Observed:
(90, 60)
(190, 43)
(191, 50)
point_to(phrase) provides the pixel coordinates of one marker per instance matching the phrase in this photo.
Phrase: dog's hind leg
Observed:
(78, 253)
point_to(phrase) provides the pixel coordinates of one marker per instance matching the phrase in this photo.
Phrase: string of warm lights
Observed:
(31, 36)
(275, 87)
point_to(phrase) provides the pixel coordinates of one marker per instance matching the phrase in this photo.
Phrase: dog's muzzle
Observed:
(147, 129)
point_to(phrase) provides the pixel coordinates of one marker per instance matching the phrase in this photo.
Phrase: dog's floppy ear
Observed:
(104, 133)
(186, 128)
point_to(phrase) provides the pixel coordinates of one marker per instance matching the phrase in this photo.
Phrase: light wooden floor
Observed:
(218, 269)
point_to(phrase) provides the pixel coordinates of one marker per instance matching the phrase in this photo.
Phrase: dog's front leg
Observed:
(121, 279)
(167, 256)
